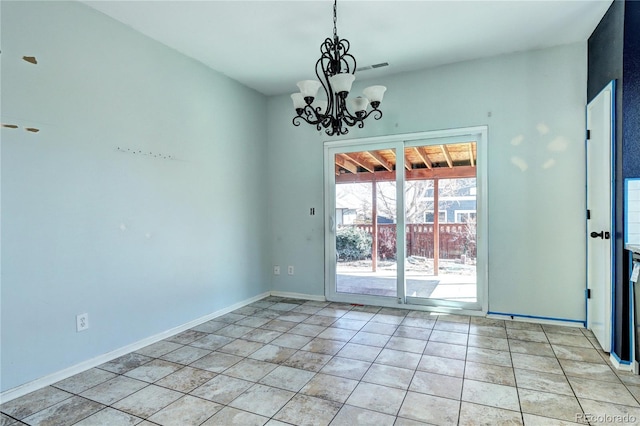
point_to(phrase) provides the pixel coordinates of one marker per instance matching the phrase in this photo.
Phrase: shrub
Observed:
(353, 243)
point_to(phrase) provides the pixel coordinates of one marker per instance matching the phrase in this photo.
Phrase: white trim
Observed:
(50, 379)
(564, 323)
(314, 297)
(623, 367)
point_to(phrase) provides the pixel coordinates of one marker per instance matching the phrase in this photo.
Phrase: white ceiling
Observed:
(270, 45)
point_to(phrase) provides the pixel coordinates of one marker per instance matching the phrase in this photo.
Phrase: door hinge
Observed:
(588, 293)
(588, 214)
(588, 134)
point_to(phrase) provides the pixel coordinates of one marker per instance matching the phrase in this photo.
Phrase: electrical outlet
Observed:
(82, 322)
(276, 270)
(290, 270)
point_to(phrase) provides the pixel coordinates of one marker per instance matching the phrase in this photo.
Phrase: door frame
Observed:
(609, 293)
(398, 141)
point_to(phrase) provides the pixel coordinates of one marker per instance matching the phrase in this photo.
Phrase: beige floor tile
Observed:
(158, 349)
(413, 332)
(349, 324)
(489, 373)
(186, 411)
(449, 337)
(377, 398)
(339, 334)
(186, 337)
(347, 368)
(229, 416)
(261, 335)
(489, 342)
(359, 352)
(287, 378)
(262, 400)
(387, 375)
(222, 389)
(307, 410)
(114, 390)
(210, 326)
(279, 325)
(577, 354)
(530, 348)
(125, 363)
(211, 342)
(488, 331)
(273, 354)
(436, 384)
(446, 350)
(589, 370)
(440, 365)
(380, 328)
(147, 401)
(321, 320)
(186, 379)
(153, 371)
(522, 325)
(400, 359)
(533, 420)
(371, 339)
(216, 362)
(489, 356)
(599, 412)
(250, 369)
(527, 335)
(242, 348)
(309, 361)
(481, 415)
(615, 393)
(545, 364)
(234, 331)
(425, 323)
(293, 316)
(490, 394)
(456, 327)
(85, 380)
(430, 409)
(324, 346)
(66, 412)
(569, 340)
(543, 382)
(308, 330)
(551, 405)
(251, 322)
(111, 417)
(328, 387)
(292, 341)
(349, 415)
(406, 344)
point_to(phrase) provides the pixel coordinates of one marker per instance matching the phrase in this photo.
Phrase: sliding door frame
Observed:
(399, 142)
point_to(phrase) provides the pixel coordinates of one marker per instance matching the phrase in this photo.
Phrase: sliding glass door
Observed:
(404, 220)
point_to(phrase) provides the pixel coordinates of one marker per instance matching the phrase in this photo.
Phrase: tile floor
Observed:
(294, 362)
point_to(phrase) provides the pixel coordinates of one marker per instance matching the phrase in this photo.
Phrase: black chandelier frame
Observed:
(335, 59)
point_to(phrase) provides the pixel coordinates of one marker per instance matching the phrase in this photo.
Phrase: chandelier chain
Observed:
(335, 19)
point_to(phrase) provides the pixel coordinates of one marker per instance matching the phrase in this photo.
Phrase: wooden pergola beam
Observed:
(367, 166)
(471, 159)
(415, 174)
(424, 156)
(345, 164)
(381, 160)
(447, 156)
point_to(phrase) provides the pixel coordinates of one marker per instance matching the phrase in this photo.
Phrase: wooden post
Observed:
(374, 226)
(436, 228)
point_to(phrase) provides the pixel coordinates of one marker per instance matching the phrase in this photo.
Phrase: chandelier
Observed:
(335, 70)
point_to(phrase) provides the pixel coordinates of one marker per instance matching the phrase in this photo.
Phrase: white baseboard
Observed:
(50, 379)
(317, 298)
(535, 320)
(626, 366)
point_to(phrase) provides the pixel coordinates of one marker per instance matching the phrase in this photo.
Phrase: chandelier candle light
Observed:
(335, 70)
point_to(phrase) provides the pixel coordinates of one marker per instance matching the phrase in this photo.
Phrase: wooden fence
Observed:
(455, 240)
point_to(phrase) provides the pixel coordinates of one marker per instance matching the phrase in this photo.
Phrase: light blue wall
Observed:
(533, 104)
(141, 244)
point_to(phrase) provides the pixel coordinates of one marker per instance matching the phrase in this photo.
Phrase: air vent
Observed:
(370, 67)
